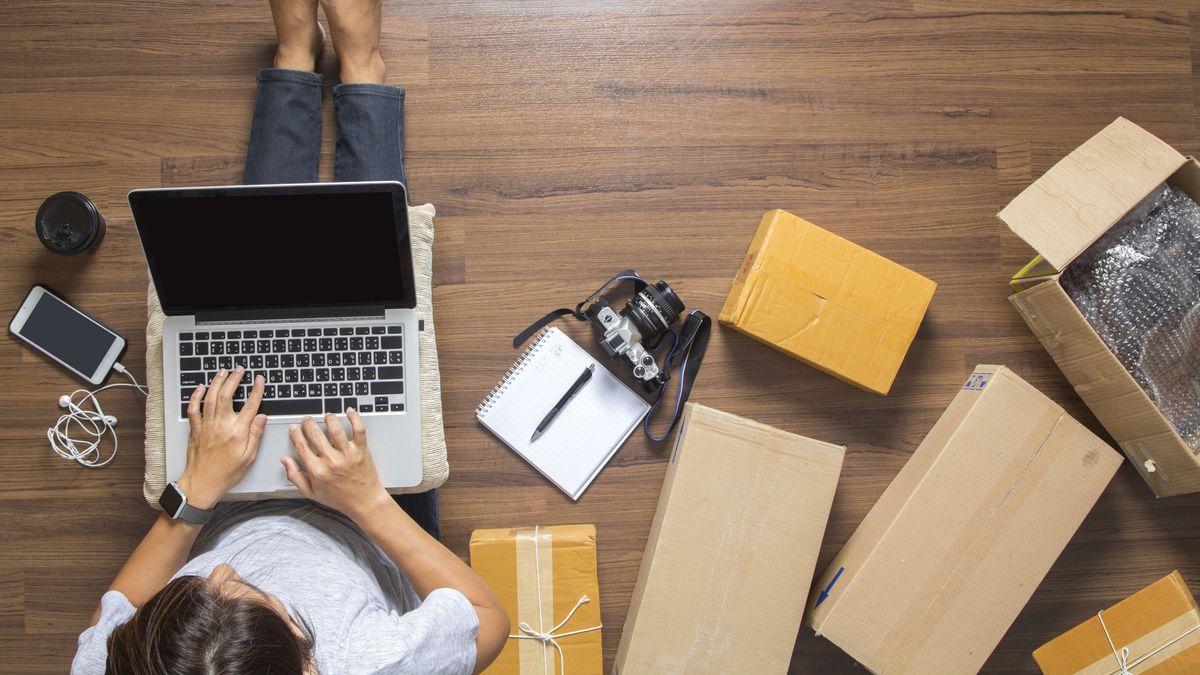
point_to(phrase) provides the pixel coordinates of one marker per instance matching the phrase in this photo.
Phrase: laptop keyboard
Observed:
(308, 371)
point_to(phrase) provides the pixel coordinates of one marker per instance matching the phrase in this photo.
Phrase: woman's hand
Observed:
(222, 444)
(338, 471)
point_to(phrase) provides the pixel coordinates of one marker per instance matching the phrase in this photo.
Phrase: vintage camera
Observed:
(636, 330)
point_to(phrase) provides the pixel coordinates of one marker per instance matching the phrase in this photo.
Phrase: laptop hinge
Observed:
(290, 314)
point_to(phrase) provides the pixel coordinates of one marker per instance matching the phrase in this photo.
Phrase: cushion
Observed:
(433, 437)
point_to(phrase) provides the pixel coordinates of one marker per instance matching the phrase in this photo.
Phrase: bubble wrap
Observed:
(1139, 287)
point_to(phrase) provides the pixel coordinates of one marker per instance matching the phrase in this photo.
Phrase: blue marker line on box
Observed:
(825, 593)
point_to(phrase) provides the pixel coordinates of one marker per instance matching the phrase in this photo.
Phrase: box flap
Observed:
(1032, 274)
(1086, 192)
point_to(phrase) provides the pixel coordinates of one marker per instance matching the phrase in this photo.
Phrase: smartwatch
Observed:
(175, 504)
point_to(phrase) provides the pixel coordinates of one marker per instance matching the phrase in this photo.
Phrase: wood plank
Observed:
(561, 142)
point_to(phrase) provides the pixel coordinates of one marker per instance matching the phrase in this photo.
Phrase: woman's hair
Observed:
(192, 628)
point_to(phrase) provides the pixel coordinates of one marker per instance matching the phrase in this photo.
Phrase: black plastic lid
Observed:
(69, 223)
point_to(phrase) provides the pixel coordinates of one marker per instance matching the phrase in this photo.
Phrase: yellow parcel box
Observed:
(546, 578)
(826, 301)
(1155, 631)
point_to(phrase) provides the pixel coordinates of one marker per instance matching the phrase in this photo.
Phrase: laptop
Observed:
(309, 285)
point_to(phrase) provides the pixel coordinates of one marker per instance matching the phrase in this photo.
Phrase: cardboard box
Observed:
(1159, 625)
(1060, 215)
(826, 301)
(541, 574)
(732, 549)
(945, 560)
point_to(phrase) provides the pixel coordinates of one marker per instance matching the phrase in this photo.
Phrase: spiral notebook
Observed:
(586, 433)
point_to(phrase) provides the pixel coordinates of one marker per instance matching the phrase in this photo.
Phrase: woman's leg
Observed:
(285, 134)
(422, 507)
(370, 143)
(370, 115)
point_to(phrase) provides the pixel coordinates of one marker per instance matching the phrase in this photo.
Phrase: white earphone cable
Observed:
(89, 426)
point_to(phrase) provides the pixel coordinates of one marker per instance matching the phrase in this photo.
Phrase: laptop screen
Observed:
(278, 247)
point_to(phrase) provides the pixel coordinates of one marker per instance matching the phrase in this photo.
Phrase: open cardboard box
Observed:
(1060, 215)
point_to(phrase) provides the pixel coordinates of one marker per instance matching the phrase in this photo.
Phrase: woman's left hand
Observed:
(223, 444)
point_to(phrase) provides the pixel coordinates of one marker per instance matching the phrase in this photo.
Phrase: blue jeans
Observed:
(285, 147)
(285, 134)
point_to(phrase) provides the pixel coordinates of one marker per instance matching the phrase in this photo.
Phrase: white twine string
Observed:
(1122, 656)
(550, 638)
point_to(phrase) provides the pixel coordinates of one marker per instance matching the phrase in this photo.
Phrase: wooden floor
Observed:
(560, 143)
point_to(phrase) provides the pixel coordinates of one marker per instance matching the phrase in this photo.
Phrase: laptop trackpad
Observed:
(267, 474)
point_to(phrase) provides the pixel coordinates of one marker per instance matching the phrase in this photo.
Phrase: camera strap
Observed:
(693, 342)
(540, 324)
(578, 313)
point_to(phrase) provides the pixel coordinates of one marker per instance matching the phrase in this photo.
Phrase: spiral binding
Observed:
(516, 368)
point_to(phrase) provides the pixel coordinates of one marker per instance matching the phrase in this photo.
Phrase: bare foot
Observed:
(301, 37)
(356, 25)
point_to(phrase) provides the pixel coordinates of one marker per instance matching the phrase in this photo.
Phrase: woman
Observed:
(350, 583)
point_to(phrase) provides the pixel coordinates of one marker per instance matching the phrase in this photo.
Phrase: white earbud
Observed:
(92, 425)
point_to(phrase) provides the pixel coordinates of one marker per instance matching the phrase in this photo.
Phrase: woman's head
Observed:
(216, 625)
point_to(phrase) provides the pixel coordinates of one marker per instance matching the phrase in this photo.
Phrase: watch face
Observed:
(171, 500)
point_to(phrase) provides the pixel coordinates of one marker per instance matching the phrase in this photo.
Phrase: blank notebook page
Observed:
(585, 434)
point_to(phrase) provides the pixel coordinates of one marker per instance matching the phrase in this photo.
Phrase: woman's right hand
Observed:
(337, 471)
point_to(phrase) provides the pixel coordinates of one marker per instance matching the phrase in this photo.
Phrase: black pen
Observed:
(562, 402)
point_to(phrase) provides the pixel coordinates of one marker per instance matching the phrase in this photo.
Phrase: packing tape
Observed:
(1152, 649)
(535, 605)
(929, 602)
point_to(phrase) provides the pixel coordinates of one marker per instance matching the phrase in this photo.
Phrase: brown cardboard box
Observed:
(541, 574)
(945, 560)
(1159, 626)
(732, 549)
(1061, 215)
(826, 301)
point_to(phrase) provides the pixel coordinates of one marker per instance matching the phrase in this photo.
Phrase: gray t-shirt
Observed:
(365, 617)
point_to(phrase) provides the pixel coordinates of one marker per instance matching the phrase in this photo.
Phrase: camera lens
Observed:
(671, 302)
(653, 310)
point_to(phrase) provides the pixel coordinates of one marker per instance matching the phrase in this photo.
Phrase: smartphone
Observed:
(67, 334)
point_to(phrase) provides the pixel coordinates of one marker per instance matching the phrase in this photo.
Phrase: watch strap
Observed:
(191, 514)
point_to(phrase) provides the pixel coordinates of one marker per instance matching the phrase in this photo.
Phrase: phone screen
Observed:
(68, 334)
